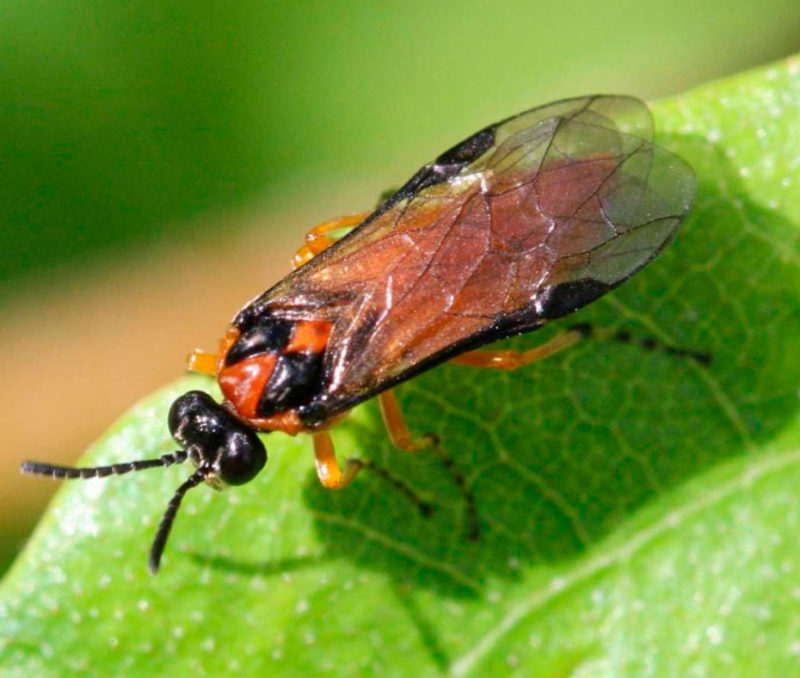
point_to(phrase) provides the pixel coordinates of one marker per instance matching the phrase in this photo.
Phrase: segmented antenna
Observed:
(177, 457)
(70, 472)
(169, 516)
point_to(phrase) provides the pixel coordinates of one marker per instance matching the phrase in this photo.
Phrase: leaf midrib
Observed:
(560, 585)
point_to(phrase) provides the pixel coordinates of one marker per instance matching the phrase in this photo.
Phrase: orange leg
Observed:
(208, 363)
(397, 429)
(329, 472)
(511, 360)
(318, 238)
(333, 477)
(203, 362)
(402, 439)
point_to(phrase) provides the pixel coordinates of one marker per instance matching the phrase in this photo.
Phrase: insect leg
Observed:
(401, 438)
(318, 239)
(329, 472)
(397, 429)
(333, 477)
(511, 360)
(203, 362)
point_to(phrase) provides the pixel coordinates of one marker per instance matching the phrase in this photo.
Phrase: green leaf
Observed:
(639, 510)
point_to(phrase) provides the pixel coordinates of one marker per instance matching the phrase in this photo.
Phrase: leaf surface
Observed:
(639, 510)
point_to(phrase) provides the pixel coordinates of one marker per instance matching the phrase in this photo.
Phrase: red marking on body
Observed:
(309, 336)
(243, 383)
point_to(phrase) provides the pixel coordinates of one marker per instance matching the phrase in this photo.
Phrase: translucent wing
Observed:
(525, 221)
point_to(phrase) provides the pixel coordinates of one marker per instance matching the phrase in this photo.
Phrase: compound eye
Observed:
(215, 439)
(243, 456)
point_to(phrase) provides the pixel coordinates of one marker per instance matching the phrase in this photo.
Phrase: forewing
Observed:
(525, 221)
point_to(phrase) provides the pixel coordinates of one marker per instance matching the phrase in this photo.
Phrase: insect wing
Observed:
(525, 221)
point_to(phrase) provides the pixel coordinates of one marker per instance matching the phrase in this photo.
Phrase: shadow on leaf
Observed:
(559, 453)
(269, 568)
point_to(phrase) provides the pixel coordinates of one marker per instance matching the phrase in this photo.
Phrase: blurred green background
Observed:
(128, 128)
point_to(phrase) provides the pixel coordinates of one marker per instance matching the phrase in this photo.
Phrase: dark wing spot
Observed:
(446, 166)
(560, 300)
(468, 150)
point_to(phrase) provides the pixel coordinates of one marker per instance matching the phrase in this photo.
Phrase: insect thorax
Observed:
(272, 365)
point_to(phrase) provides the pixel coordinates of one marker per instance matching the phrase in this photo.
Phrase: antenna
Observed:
(177, 457)
(225, 450)
(169, 516)
(70, 472)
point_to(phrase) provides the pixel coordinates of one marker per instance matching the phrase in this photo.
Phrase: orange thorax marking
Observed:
(309, 336)
(243, 383)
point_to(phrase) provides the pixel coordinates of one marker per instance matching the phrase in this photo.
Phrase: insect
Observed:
(523, 222)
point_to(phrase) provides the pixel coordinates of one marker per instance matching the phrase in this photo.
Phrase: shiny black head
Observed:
(230, 452)
(224, 450)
